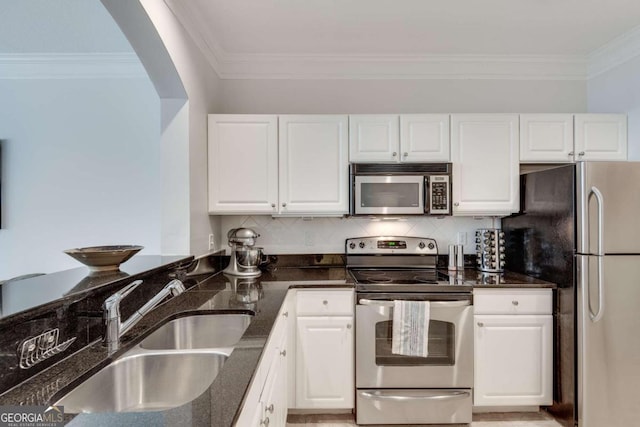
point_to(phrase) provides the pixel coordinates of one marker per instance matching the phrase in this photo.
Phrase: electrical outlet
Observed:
(212, 242)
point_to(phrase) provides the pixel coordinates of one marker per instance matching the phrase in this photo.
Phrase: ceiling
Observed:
(248, 38)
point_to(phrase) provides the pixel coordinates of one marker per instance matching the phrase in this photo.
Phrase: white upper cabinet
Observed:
(243, 163)
(600, 137)
(314, 164)
(374, 138)
(300, 167)
(485, 157)
(549, 138)
(424, 138)
(546, 138)
(399, 138)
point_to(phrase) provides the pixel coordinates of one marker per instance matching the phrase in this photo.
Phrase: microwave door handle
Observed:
(426, 196)
(434, 304)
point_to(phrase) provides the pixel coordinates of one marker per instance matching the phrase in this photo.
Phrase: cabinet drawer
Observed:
(324, 303)
(512, 301)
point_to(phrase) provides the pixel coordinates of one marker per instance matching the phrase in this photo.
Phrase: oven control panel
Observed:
(391, 245)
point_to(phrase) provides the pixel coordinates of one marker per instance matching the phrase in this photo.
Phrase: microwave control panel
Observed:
(439, 195)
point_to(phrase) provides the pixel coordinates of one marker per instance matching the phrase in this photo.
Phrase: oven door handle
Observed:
(434, 304)
(381, 395)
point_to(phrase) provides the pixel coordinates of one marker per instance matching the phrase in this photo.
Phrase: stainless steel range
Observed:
(406, 389)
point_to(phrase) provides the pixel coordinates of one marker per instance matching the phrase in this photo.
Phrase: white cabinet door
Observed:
(314, 164)
(424, 138)
(486, 167)
(324, 362)
(243, 163)
(601, 137)
(374, 138)
(546, 138)
(513, 362)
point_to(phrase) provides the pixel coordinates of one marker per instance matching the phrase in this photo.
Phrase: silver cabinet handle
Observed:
(283, 353)
(434, 304)
(394, 154)
(270, 408)
(515, 302)
(598, 315)
(379, 395)
(480, 324)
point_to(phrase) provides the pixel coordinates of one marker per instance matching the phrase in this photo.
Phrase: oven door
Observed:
(450, 360)
(390, 195)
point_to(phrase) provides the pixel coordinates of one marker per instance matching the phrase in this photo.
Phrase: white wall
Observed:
(403, 96)
(618, 91)
(81, 167)
(327, 235)
(202, 87)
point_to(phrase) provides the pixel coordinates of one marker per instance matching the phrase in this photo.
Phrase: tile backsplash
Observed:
(327, 235)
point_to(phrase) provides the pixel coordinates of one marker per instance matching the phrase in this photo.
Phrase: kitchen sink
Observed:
(199, 332)
(145, 382)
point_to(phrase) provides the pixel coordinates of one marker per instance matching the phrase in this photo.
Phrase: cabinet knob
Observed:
(349, 326)
(515, 302)
(273, 205)
(284, 205)
(285, 314)
(283, 353)
(325, 302)
(480, 324)
(581, 153)
(405, 154)
(270, 408)
(571, 153)
(394, 154)
(265, 422)
(456, 204)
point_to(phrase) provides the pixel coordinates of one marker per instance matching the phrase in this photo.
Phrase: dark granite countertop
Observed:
(506, 279)
(221, 403)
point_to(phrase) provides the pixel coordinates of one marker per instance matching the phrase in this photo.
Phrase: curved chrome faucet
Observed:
(115, 328)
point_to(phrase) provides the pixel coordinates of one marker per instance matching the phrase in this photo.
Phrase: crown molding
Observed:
(614, 53)
(18, 66)
(503, 67)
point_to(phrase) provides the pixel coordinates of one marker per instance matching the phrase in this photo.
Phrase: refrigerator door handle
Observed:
(600, 255)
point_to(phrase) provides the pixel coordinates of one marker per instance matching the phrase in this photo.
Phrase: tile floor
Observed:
(538, 419)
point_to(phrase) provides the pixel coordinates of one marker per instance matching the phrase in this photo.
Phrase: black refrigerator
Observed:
(579, 227)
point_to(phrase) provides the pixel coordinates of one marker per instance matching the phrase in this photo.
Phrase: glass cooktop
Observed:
(404, 280)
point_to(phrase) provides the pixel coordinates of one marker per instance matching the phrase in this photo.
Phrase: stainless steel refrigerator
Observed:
(579, 227)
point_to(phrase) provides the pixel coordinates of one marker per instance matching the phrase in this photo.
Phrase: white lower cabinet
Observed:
(266, 401)
(324, 368)
(513, 338)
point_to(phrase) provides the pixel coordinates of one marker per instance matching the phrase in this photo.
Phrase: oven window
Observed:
(392, 195)
(442, 337)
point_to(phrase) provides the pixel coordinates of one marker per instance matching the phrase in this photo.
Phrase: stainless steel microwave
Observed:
(400, 188)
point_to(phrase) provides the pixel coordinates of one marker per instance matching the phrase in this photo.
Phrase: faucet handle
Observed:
(116, 297)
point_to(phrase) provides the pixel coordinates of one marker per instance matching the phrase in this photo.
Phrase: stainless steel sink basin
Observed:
(198, 332)
(145, 382)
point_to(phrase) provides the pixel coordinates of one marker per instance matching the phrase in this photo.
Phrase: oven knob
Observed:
(431, 245)
(361, 244)
(421, 245)
(352, 245)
